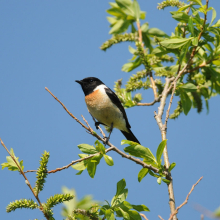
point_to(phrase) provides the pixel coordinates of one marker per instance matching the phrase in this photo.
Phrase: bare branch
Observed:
(187, 198)
(144, 216)
(160, 217)
(151, 103)
(26, 179)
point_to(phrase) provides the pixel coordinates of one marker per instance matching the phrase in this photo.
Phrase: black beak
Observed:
(78, 81)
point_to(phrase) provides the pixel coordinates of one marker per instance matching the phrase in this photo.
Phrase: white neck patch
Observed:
(101, 88)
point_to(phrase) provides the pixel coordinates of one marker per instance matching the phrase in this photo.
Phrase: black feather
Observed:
(130, 136)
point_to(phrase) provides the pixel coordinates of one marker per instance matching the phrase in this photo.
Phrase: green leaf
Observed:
(10, 164)
(80, 166)
(186, 102)
(100, 147)
(109, 214)
(191, 26)
(128, 142)
(140, 151)
(141, 208)
(79, 172)
(160, 150)
(136, 10)
(127, 67)
(183, 52)
(184, 8)
(124, 214)
(88, 149)
(108, 160)
(174, 43)
(156, 32)
(91, 168)
(153, 174)
(119, 27)
(180, 16)
(159, 180)
(198, 2)
(213, 15)
(189, 87)
(172, 165)
(134, 215)
(195, 41)
(166, 181)
(131, 49)
(118, 199)
(142, 173)
(120, 186)
(126, 6)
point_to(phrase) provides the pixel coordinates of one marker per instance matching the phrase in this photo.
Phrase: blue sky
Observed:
(52, 44)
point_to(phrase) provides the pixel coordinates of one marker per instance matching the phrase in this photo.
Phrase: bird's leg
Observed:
(107, 138)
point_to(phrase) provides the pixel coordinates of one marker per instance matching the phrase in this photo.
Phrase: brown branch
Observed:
(111, 147)
(144, 216)
(186, 200)
(26, 179)
(77, 161)
(168, 110)
(160, 217)
(202, 30)
(67, 110)
(158, 117)
(151, 76)
(151, 103)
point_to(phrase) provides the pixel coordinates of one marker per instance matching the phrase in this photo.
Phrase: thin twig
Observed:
(168, 110)
(151, 103)
(26, 179)
(79, 160)
(102, 132)
(160, 217)
(186, 200)
(87, 123)
(150, 74)
(144, 216)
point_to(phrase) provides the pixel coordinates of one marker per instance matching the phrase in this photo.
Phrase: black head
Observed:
(89, 84)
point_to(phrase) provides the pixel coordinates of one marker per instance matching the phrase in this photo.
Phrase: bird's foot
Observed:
(97, 124)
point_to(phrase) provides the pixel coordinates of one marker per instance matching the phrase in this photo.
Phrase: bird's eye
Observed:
(91, 80)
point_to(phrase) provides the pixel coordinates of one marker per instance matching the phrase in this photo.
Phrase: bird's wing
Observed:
(114, 98)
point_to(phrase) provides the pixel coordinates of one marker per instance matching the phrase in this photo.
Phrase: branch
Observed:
(187, 198)
(160, 217)
(151, 76)
(158, 116)
(26, 179)
(151, 103)
(111, 147)
(144, 216)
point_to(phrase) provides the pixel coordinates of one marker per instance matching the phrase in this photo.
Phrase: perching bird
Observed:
(105, 106)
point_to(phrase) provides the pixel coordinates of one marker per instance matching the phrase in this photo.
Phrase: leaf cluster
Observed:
(145, 153)
(10, 164)
(119, 207)
(41, 176)
(192, 37)
(91, 163)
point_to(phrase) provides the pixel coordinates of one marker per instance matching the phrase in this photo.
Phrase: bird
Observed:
(105, 106)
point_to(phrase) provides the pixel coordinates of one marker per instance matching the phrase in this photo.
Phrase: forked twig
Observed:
(186, 200)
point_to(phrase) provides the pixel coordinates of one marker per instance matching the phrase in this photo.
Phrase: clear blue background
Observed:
(53, 43)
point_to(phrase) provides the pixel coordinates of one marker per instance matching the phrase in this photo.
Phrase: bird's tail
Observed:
(130, 136)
